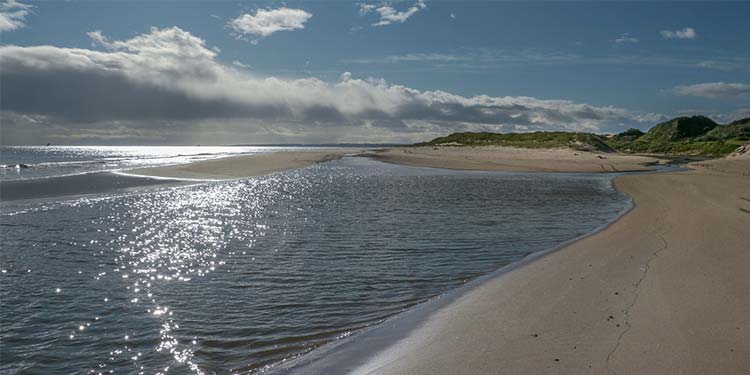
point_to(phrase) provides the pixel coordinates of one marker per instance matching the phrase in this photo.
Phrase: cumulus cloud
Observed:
(168, 78)
(626, 38)
(389, 14)
(268, 21)
(686, 33)
(714, 90)
(13, 14)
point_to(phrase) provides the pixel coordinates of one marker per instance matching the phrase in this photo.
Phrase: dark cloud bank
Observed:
(168, 86)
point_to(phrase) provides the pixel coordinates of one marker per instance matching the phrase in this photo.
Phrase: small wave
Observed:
(17, 166)
(56, 164)
(118, 160)
(128, 174)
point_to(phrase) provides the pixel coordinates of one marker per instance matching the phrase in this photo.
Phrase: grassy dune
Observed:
(696, 135)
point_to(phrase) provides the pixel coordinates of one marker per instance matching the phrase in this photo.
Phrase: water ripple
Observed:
(238, 276)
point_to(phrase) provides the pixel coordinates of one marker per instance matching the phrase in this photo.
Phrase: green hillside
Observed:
(620, 141)
(577, 141)
(739, 129)
(695, 135)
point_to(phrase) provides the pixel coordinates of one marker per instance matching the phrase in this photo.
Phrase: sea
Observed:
(101, 272)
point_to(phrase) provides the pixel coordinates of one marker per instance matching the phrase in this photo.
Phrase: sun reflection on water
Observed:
(175, 235)
(235, 277)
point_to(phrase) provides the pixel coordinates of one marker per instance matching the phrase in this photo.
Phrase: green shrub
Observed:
(696, 135)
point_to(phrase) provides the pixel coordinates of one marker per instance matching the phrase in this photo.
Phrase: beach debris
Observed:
(742, 150)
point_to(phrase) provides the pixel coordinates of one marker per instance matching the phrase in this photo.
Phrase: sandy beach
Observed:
(512, 159)
(663, 290)
(244, 166)
(508, 159)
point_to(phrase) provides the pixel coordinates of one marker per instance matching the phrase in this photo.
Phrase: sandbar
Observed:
(235, 167)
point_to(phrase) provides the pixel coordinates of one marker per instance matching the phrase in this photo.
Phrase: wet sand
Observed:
(663, 290)
(243, 166)
(512, 159)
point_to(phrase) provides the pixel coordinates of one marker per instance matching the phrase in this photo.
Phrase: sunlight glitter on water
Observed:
(238, 276)
(176, 235)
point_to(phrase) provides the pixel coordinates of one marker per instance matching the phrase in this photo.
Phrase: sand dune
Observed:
(664, 290)
(513, 159)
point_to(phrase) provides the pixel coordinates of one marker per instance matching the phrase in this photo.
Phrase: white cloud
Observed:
(714, 90)
(242, 65)
(726, 64)
(268, 21)
(97, 38)
(13, 14)
(389, 14)
(412, 57)
(366, 8)
(686, 33)
(474, 58)
(626, 38)
(167, 78)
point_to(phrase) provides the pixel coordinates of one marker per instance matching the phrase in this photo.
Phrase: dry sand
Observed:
(663, 290)
(244, 166)
(514, 159)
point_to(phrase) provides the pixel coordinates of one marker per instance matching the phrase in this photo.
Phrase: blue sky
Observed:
(633, 63)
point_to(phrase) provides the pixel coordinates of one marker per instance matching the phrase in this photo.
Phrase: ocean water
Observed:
(240, 276)
(31, 162)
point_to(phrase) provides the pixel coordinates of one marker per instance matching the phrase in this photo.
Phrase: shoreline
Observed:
(357, 350)
(611, 317)
(487, 158)
(545, 317)
(77, 185)
(241, 166)
(514, 159)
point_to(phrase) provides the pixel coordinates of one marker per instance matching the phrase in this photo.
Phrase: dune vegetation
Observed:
(694, 135)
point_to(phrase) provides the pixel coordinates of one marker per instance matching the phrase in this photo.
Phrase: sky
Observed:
(249, 72)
